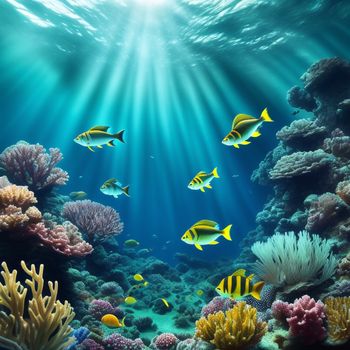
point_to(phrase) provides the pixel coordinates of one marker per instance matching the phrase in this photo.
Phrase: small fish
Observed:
(167, 242)
(112, 321)
(295, 112)
(78, 195)
(165, 302)
(113, 187)
(130, 300)
(243, 127)
(199, 292)
(131, 243)
(146, 283)
(138, 277)
(202, 180)
(235, 176)
(152, 157)
(205, 232)
(80, 176)
(98, 136)
(238, 285)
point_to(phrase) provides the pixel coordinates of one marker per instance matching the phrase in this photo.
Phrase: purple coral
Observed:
(97, 221)
(90, 344)
(165, 341)
(281, 310)
(118, 342)
(99, 308)
(31, 165)
(217, 304)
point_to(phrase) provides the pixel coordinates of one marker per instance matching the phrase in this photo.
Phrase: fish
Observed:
(165, 302)
(238, 285)
(244, 127)
(112, 321)
(78, 195)
(130, 300)
(205, 232)
(202, 180)
(146, 283)
(199, 292)
(138, 277)
(113, 187)
(131, 243)
(98, 136)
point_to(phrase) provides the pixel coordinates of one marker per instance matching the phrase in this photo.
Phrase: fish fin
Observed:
(208, 186)
(206, 223)
(198, 246)
(202, 189)
(126, 190)
(257, 290)
(226, 232)
(245, 142)
(111, 143)
(250, 277)
(235, 145)
(239, 118)
(123, 321)
(89, 147)
(115, 196)
(100, 128)
(240, 272)
(112, 180)
(256, 134)
(200, 173)
(99, 146)
(265, 116)
(215, 172)
(214, 243)
(119, 136)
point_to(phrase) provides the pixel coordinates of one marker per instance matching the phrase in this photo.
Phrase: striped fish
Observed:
(238, 285)
(202, 180)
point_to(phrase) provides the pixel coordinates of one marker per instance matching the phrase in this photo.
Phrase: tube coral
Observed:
(40, 323)
(237, 328)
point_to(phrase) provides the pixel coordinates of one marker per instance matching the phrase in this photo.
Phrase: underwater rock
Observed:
(160, 308)
(299, 98)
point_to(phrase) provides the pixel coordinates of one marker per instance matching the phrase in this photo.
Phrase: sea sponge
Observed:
(40, 323)
(237, 328)
(338, 318)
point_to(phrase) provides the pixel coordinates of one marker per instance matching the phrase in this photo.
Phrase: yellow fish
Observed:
(199, 292)
(98, 136)
(205, 232)
(202, 180)
(245, 126)
(130, 300)
(78, 195)
(238, 285)
(165, 302)
(146, 283)
(138, 277)
(112, 321)
(131, 243)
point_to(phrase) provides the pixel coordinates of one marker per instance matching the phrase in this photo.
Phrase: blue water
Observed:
(173, 74)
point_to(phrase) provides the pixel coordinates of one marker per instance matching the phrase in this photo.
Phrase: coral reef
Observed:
(118, 342)
(165, 341)
(217, 304)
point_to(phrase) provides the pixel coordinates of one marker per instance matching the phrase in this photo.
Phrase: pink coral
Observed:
(97, 221)
(217, 304)
(165, 341)
(306, 320)
(31, 165)
(281, 310)
(90, 344)
(118, 342)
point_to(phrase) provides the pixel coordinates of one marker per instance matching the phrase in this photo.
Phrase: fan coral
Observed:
(343, 191)
(97, 221)
(118, 342)
(237, 328)
(306, 320)
(217, 304)
(294, 262)
(338, 317)
(300, 163)
(165, 341)
(30, 165)
(47, 326)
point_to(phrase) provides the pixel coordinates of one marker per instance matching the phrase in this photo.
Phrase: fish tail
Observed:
(265, 116)
(226, 233)
(215, 172)
(257, 290)
(119, 135)
(126, 190)
(123, 321)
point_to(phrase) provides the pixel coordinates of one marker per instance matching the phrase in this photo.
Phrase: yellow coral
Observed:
(237, 328)
(47, 326)
(338, 318)
(19, 196)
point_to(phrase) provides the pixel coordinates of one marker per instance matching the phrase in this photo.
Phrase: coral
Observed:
(343, 191)
(299, 98)
(194, 344)
(326, 211)
(237, 328)
(40, 323)
(118, 342)
(338, 145)
(281, 311)
(99, 308)
(4, 181)
(338, 318)
(64, 239)
(217, 304)
(300, 163)
(111, 288)
(97, 221)
(338, 289)
(344, 267)
(306, 320)
(90, 344)
(144, 324)
(165, 341)
(30, 165)
(80, 334)
(302, 133)
(294, 262)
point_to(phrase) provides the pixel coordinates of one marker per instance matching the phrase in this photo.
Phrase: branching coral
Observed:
(237, 328)
(338, 318)
(294, 262)
(40, 323)
(30, 165)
